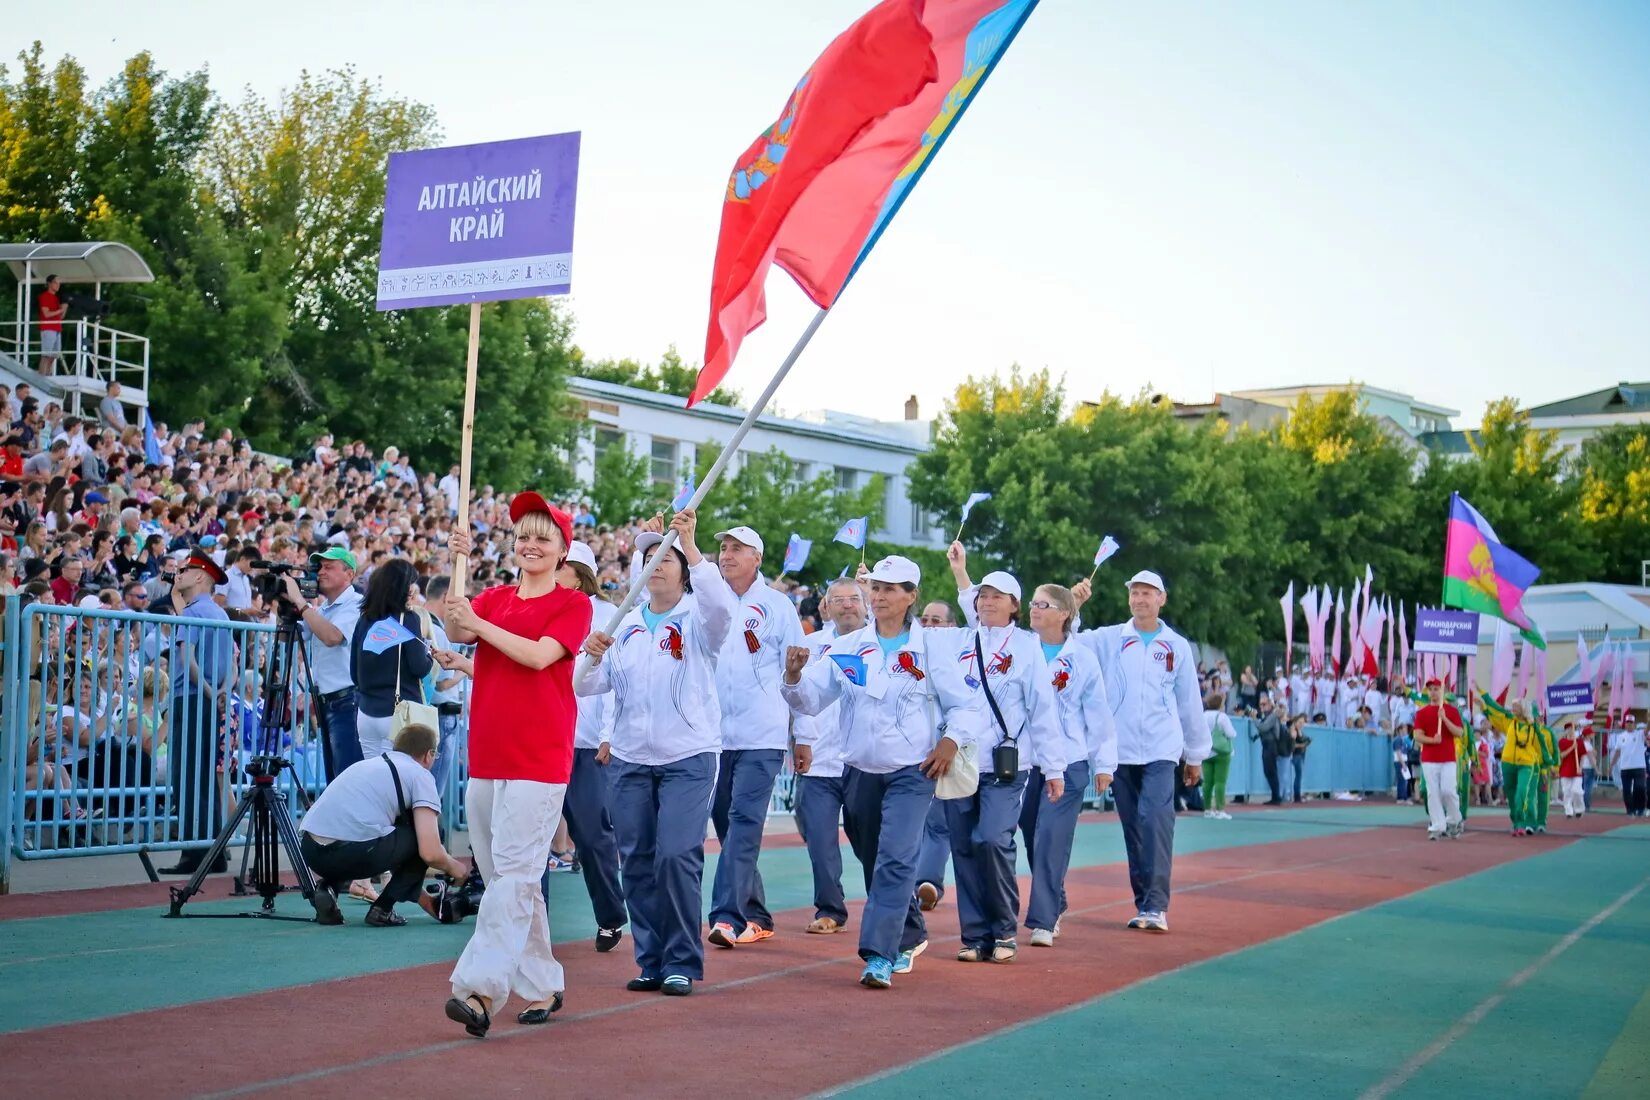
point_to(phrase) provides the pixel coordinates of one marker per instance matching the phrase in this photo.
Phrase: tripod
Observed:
(272, 828)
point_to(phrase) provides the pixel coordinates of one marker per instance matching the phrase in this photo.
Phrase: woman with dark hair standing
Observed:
(587, 807)
(666, 730)
(522, 713)
(381, 679)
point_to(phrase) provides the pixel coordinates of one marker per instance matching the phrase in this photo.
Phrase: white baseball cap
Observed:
(1146, 576)
(647, 540)
(896, 570)
(1002, 582)
(743, 534)
(579, 553)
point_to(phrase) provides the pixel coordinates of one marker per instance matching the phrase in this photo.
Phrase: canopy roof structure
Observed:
(76, 262)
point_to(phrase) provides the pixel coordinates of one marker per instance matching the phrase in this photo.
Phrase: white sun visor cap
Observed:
(896, 570)
(1002, 582)
(743, 534)
(579, 553)
(1146, 576)
(647, 540)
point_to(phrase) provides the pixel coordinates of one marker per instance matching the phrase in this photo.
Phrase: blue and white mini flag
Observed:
(1108, 547)
(151, 444)
(796, 553)
(386, 634)
(973, 499)
(853, 532)
(686, 493)
(852, 666)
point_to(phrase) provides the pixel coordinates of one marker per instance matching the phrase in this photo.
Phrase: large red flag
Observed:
(815, 192)
(876, 65)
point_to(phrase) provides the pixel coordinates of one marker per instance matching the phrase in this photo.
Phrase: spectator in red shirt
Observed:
(1572, 750)
(522, 715)
(11, 466)
(51, 326)
(1437, 725)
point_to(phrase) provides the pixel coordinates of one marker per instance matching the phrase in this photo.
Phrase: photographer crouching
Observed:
(378, 815)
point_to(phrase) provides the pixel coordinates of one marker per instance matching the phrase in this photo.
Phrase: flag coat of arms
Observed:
(1481, 574)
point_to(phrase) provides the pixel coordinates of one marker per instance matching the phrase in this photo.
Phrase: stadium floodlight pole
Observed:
(739, 433)
(461, 562)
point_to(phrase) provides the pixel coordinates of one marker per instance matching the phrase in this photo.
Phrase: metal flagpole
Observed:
(708, 481)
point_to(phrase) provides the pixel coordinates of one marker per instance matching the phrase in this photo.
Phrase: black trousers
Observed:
(1269, 765)
(339, 864)
(1632, 790)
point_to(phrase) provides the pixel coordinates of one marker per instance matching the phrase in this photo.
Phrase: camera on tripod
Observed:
(266, 582)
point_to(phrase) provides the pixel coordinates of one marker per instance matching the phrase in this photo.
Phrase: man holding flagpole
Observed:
(755, 735)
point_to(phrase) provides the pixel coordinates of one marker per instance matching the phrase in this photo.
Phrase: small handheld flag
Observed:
(1108, 547)
(796, 553)
(852, 666)
(853, 532)
(386, 634)
(685, 495)
(968, 506)
(151, 444)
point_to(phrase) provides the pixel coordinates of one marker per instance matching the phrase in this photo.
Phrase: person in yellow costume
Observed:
(1530, 750)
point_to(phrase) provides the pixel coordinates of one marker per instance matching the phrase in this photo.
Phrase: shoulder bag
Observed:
(410, 713)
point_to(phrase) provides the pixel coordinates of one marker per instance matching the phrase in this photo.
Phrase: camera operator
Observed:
(380, 815)
(328, 625)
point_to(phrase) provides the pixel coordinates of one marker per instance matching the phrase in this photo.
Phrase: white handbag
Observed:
(962, 779)
(410, 713)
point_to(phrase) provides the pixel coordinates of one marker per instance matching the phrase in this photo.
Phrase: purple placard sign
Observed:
(1569, 698)
(1440, 631)
(479, 223)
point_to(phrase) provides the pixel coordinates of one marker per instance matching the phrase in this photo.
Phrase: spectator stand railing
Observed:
(93, 355)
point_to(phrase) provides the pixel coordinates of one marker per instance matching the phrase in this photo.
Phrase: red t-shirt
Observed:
(11, 466)
(521, 720)
(1569, 758)
(48, 301)
(1426, 721)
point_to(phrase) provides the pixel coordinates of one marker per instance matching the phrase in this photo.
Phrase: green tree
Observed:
(1518, 477)
(43, 115)
(622, 487)
(1613, 510)
(1357, 501)
(669, 375)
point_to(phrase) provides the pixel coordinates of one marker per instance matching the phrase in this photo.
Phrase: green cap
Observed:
(334, 553)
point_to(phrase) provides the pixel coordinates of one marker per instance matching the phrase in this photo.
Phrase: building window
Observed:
(664, 461)
(803, 472)
(919, 522)
(605, 439)
(846, 480)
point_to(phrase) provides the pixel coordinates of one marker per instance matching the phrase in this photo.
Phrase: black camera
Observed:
(266, 580)
(84, 305)
(456, 900)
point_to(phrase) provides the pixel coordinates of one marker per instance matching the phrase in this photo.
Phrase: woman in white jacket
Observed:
(663, 737)
(994, 650)
(904, 711)
(1051, 825)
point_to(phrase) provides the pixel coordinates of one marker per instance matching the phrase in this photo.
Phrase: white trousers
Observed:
(511, 824)
(1574, 802)
(374, 734)
(1443, 800)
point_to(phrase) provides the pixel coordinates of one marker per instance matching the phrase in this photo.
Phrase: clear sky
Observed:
(1449, 199)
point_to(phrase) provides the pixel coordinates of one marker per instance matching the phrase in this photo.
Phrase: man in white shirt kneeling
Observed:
(379, 815)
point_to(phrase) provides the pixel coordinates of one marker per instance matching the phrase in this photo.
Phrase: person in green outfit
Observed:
(1218, 766)
(1531, 748)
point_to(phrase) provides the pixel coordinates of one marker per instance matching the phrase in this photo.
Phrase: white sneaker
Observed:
(1156, 922)
(1210, 814)
(1223, 815)
(1042, 937)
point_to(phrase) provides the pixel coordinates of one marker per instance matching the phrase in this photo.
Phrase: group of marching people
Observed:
(680, 717)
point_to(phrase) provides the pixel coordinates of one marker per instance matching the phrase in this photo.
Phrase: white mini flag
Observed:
(1108, 547)
(973, 499)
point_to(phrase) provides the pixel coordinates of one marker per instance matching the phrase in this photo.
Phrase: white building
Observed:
(851, 448)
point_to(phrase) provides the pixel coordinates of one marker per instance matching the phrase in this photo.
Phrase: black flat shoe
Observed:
(677, 986)
(645, 984)
(539, 1015)
(465, 1012)
(384, 918)
(608, 938)
(326, 906)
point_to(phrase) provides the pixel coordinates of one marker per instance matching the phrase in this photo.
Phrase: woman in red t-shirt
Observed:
(522, 715)
(1571, 749)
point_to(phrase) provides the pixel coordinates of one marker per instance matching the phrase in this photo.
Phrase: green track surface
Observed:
(1366, 993)
(72, 968)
